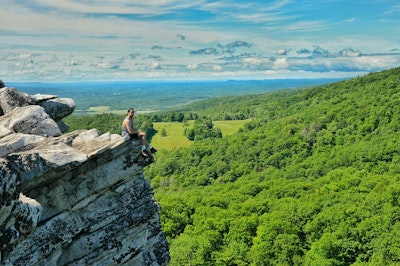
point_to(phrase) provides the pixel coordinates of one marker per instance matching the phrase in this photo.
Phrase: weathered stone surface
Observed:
(18, 142)
(58, 108)
(62, 126)
(39, 98)
(10, 98)
(31, 119)
(74, 199)
(19, 214)
(54, 109)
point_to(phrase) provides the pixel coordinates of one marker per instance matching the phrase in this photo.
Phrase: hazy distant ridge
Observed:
(158, 95)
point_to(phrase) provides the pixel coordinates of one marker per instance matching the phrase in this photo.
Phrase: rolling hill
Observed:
(313, 179)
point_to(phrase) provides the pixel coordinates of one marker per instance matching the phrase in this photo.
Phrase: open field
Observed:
(175, 137)
(99, 109)
(229, 127)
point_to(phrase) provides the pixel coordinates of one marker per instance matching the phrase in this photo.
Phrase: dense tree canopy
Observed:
(313, 179)
(203, 129)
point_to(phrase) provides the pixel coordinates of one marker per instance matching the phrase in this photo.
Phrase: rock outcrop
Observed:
(77, 198)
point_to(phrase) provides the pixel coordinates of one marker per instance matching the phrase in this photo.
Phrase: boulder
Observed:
(43, 97)
(58, 108)
(10, 99)
(31, 119)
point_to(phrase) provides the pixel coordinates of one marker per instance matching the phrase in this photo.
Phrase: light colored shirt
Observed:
(124, 130)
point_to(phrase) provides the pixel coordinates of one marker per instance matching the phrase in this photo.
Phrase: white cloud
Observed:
(281, 63)
(155, 65)
(393, 10)
(350, 20)
(107, 65)
(306, 26)
(149, 7)
(192, 66)
(349, 52)
(217, 68)
(252, 61)
(19, 56)
(73, 63)
(282, 51)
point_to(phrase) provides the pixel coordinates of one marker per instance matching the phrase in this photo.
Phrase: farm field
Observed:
(175, 137)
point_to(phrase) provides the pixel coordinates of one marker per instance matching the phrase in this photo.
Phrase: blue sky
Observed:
(68, 40)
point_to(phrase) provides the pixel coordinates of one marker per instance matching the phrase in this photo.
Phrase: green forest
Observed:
(313, 179)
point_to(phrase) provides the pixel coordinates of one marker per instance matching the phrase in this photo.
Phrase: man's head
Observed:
(131, 112)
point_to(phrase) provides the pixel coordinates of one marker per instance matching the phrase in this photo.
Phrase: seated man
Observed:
(128, 129)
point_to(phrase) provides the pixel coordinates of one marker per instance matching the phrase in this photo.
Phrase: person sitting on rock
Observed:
(128, 129)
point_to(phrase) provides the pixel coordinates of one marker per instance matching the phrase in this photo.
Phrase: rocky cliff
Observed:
(71, 199)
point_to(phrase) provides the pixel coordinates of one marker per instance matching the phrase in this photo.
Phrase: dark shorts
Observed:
(134, 136)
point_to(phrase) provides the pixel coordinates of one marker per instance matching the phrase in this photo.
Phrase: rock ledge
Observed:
(71, 199)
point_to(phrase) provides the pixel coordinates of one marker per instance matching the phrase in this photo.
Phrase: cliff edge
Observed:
(71, 199)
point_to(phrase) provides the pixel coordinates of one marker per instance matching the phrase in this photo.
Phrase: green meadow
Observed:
(175, 132)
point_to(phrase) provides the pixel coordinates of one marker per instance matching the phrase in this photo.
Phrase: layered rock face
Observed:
(71, 199)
